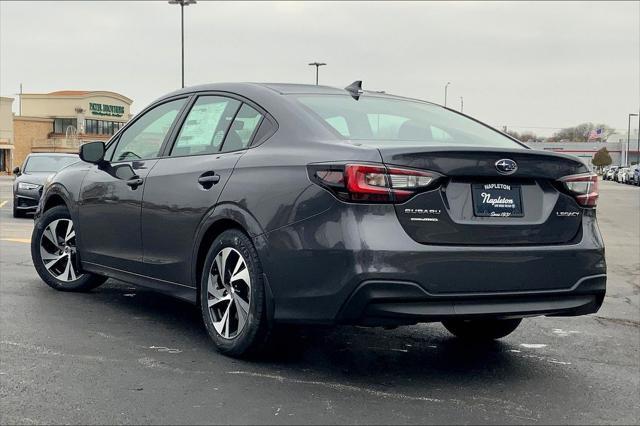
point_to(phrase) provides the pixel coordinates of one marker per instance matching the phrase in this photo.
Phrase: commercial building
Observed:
(585, 150)
(6, 134)
(61, 121)
(633, 150)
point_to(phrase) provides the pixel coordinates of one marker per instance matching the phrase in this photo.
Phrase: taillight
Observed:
(371, 183)
(583, 187)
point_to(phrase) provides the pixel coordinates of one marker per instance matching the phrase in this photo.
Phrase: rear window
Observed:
(381, 121)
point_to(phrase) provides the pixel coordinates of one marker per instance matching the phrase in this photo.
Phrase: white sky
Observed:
(532, 66)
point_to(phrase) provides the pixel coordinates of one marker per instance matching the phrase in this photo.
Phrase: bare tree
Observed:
(580, 133)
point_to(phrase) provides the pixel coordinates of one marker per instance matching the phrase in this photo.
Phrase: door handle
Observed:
(135, 182)
(208, 179)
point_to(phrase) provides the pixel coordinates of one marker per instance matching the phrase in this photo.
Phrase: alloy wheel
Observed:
(58, 250)
(229, 293)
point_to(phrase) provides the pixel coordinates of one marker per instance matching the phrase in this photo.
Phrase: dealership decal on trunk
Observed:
(497, 200)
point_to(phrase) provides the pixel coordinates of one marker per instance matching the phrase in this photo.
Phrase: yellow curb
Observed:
(17, 240)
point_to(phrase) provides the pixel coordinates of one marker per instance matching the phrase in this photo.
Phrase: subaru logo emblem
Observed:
(506, 166)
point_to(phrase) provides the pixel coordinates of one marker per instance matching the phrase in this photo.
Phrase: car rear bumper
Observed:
(392, 303)
(318, 270)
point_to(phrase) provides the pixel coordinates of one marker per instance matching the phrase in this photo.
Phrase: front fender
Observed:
(56, 189)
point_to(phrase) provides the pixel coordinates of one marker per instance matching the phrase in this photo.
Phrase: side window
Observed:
(109, 152)
(242, 129)
(440, 135)
(205, 126)
(143, 139)
(385, 126)
(264, 132)
(340, 124)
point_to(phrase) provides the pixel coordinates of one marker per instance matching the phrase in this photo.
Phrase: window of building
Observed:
(90, 127)
(101, 127)
(60, 125)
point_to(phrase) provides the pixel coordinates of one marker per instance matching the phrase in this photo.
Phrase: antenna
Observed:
(355, 89)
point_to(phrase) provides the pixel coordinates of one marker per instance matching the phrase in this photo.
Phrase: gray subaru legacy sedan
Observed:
(283, 203)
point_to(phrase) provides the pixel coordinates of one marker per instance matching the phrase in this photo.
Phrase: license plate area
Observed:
(497, 200)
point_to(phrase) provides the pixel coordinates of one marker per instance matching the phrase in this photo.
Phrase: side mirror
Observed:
(16, 171)
(92, 152)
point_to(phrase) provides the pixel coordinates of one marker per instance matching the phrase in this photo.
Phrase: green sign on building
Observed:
(103, 109)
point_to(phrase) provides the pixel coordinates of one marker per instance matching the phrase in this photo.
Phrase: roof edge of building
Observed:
(29, 118)
(77, 94)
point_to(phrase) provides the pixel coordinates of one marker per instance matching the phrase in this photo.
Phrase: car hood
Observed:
(37, 178)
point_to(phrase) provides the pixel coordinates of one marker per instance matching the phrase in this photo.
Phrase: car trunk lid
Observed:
(479, 203)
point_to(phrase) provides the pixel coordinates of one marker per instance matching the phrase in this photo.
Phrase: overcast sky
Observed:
(534, 66)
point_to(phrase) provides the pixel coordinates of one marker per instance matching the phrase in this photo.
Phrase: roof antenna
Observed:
(355, 89)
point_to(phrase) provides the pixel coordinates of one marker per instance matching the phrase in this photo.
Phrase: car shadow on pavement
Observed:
(406, 354)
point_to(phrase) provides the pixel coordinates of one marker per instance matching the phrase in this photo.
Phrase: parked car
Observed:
(611, 173)
(286, 203)
(28, 183)
(632, 178)
(622, 175)
(636, 175)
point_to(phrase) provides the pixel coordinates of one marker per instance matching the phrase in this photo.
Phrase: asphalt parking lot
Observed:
(126, 355)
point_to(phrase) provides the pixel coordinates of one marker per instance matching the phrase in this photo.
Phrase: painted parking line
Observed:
(2, 203)
(17, 240)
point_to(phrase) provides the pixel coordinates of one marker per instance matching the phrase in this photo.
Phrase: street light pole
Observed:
(182, 4)
(317, 65)
(626, 157)
(446, 86)
(461, 103)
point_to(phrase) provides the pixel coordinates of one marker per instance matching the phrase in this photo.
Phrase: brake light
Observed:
(371, 183)
(583, 187)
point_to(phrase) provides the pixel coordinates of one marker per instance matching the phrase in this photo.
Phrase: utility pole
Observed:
(626, 156)
(461, 103)
(317, 65)
(20, 105)
(446, 86)
(182, 4)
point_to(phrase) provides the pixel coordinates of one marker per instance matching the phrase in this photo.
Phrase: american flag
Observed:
(596, 134)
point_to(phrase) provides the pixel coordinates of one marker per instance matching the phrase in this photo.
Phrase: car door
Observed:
(111, 194)
(184, 186)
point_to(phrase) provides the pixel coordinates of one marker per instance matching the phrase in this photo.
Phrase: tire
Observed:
(482, 330)
(62, 274)
(247, 328)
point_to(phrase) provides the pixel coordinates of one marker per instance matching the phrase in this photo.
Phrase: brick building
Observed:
(6, 134)
(61, 121)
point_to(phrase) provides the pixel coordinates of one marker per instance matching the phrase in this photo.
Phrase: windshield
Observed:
(43, 163)
(382, 121)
